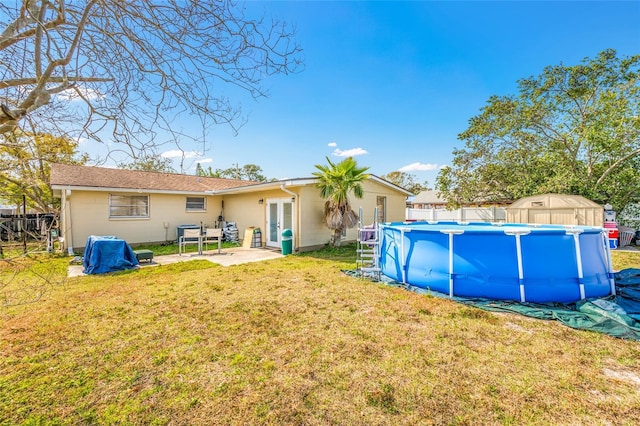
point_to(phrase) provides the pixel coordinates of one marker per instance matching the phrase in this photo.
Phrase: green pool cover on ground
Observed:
(617, 315)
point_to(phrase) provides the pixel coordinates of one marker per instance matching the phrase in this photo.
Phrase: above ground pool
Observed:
(526, 263)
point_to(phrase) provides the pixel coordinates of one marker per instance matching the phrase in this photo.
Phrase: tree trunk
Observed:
(337, 237)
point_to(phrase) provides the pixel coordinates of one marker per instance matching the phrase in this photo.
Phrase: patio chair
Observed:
(190, 236)
(212, 235)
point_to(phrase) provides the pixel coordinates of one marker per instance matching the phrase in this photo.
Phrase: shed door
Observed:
(539, 216)
(549, 216)
(564, 217)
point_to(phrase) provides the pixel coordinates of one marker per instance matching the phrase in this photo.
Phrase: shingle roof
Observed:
(428, 197)
(102, 177)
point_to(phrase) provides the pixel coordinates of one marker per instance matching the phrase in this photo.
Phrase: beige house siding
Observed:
(85, 205)
(89, 212)
(316, 232)
(245, 209)
(395, 205)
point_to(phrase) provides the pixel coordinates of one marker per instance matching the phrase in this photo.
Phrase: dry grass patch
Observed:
(625, 259)
(27, 279)
(295, 341)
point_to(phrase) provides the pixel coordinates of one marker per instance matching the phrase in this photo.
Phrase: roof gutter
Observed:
(262, 186)
(389, 184)
(123, 190)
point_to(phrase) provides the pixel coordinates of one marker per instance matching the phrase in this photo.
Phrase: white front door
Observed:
(279, 218)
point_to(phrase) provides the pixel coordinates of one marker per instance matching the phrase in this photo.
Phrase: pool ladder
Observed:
(368, 248)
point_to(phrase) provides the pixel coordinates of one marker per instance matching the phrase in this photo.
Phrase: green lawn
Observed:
(295, 341)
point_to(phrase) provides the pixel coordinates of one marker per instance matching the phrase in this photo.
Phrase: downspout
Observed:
(296, 232)
(66, 221)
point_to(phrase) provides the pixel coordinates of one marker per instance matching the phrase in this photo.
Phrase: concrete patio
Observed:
(227, 257)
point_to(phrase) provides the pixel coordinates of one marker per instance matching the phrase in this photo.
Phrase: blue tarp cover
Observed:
(107, 254)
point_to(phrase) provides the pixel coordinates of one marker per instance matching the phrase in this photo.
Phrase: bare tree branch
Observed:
(145, 61)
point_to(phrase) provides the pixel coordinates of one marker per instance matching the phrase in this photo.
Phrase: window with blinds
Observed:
(196, 204)
(133, 206)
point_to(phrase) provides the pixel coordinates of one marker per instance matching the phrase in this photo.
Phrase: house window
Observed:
(381, 204)
(128, 206)
(196, 204)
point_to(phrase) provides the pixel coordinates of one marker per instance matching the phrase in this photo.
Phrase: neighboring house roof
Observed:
(64, 175)
(428, 197)
(104, 179)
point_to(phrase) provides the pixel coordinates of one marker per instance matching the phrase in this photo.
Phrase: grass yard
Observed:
(295, 341)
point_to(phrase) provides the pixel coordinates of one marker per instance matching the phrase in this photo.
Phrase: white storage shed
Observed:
(557, 209)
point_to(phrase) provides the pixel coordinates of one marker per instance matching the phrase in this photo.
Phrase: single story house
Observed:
(148, 207)
(428, 199)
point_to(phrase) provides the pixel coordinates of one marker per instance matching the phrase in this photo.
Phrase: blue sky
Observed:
(395, 82)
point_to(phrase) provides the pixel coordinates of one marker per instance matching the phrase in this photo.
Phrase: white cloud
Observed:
(72, 94)
(205, 160)
(332, 144)
(349, 152)
(176, 153)
(418, 167)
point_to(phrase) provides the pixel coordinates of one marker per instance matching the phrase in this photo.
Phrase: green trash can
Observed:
(287, 241)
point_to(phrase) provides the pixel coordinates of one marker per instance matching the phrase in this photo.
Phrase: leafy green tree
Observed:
(571, 130)
(209, 172)
(253, 172)
(25, 170)
(150, 163)
(630, 216)
(407, 181)
(250, 172)
(336, 182)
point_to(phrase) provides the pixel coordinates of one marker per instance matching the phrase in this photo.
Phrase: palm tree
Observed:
(335, 182)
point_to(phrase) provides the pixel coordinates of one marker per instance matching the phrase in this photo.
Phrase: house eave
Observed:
(60, 188)
(264, 186)
(390, 185)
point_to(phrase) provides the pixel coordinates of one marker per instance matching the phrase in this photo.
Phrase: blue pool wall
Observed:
(485, 261)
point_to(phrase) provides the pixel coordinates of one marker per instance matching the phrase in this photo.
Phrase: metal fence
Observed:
(41, 228)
